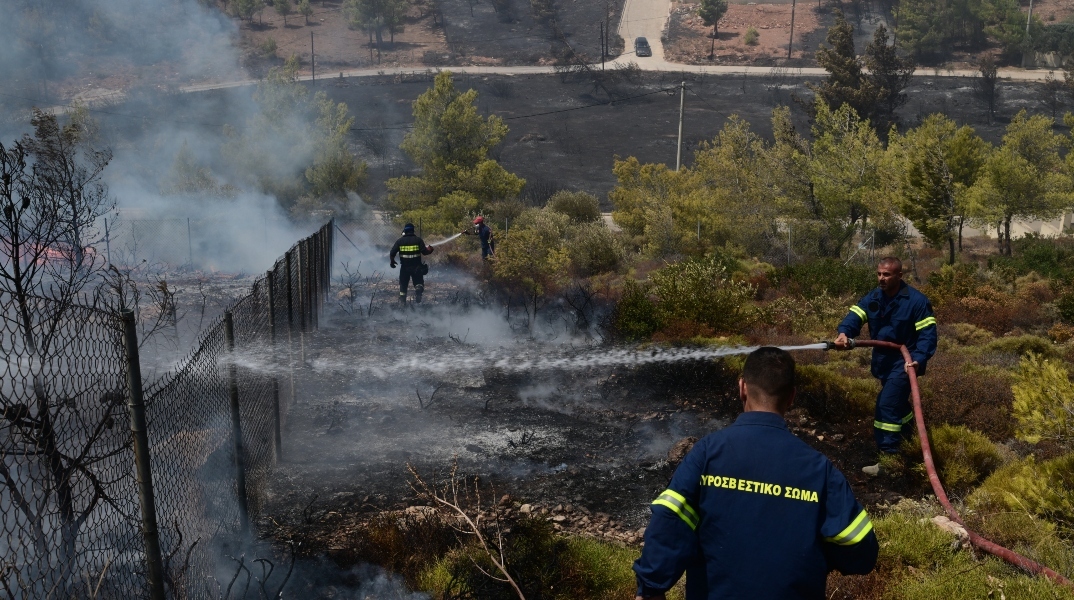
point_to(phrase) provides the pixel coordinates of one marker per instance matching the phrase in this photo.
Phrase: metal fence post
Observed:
(236, 424)
(270, 276)
(142, 464)
(290, 321)
(302, 277)
(189, 244)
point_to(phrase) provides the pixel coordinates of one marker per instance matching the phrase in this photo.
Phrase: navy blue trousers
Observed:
(894, 420)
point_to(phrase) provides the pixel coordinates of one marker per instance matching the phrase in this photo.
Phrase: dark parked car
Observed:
(641, 47)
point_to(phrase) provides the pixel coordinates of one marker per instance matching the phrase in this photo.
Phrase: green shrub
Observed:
(1064, 304)
(700, 291)
(966, 334)
(963, 457)
(268, 48)
(544, 565)
(1031, 536)
(635, 316)
(952, 282)
(1043, 400)
(580, 207)
(750, 39)
(1050, 257)
(1022, 345)
(918, 563)
(827, 276)
(594, 249)
(1044, 489)
(813, 316)
(830, 395)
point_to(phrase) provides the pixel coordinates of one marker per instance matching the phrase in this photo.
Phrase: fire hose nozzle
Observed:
(830, 345)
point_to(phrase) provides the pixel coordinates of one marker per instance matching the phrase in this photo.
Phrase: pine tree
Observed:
(711, 11)
(847, 82)
(889, 75)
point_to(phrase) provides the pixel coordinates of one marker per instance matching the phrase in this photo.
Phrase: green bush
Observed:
(544, 565)
(963, 456)
(579, 206)
(917, 562)
(1050, 257)
(594, 249)
(830, 395)
(750, 39)
(1064, 304)
(635, 316)
(1044, 489)
(827, 276)
(1022, 345)
(966, 334)
(952, 282)
(1043, 400)
(700, 291)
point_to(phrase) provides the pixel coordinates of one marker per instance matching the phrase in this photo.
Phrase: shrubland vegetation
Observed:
(701, 256)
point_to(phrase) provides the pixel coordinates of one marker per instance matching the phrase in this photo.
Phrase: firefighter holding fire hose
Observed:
(410, 249)
(896, 313)
(484, 233)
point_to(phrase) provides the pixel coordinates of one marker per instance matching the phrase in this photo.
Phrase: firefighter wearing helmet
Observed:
(410, 249)
(484, 232)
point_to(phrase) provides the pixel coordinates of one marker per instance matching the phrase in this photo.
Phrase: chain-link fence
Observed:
(87, 510)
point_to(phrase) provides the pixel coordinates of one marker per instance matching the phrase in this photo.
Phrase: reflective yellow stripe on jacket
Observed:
(674, 500)
(923, 323)
(858, 311)
(855, 532)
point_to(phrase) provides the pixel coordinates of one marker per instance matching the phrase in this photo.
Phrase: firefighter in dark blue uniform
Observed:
(484, 232)
(410, 249)
(753, 511)
(897, 313)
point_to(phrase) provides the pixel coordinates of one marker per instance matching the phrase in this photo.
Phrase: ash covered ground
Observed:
(563, 424)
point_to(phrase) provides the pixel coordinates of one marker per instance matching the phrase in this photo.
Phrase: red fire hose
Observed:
(991, 547)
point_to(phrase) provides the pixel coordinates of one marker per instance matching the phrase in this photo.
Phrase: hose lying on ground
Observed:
(991, 547)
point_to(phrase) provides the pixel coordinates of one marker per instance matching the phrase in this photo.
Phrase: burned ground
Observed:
(554, 141)
(586, 447)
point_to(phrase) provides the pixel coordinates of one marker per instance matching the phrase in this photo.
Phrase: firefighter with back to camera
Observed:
(753, 511)
(896, 313)
(410, 249)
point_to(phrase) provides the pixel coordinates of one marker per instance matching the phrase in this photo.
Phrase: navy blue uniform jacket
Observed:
(907, 319)
(754, 512)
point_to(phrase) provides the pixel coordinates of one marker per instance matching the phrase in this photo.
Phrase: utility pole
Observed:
(790, 43)
(313, 61)
(682, 103)
(1029, 19)
(602, 45)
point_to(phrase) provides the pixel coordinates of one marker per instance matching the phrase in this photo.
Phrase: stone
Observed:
(680, 449)
(838, 437)
(559, 518)
(525, 509)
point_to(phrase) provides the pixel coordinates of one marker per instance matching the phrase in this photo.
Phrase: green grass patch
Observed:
(829, 394)
(964, 457)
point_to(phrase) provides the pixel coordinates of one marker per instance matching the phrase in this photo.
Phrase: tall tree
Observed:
(935, 163)
(889, 74)
(374, 15)
(283, 8)
(846, 168)
(305, 10)
(1025, 178)
(450, 143)
(846, 82)
(711, 11)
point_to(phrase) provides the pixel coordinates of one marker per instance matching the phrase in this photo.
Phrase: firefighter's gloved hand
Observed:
(393, 264)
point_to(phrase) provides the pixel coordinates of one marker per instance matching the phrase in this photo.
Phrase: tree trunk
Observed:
(961, 222)
(1007, 236)
(951, 249)
(380, 40)
(712, 50)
